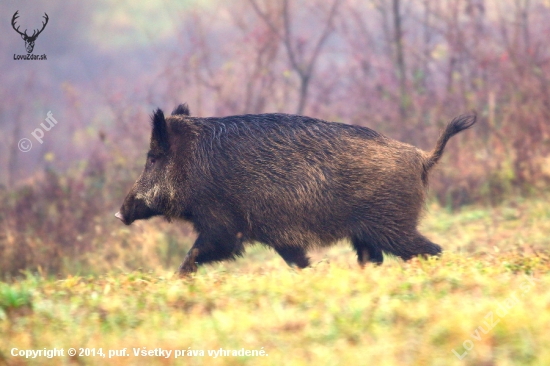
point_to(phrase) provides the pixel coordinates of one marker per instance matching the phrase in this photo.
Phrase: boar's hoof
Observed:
(189, 264)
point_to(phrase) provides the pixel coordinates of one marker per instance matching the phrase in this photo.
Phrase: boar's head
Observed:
(150, 194)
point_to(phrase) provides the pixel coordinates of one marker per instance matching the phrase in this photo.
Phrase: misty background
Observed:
(403, 68)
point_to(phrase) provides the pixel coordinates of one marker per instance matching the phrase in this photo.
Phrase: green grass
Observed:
(490, 292)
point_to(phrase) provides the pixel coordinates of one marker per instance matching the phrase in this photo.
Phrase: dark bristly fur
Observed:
(458, 124)
(182, 109)
(289, 182)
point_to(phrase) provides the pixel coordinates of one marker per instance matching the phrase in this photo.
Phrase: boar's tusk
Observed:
(119, 216)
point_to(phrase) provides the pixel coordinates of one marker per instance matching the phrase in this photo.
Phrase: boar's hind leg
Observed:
(420, 246)
(211, 247)
(366, 250)
(406, 244)
(293, 255)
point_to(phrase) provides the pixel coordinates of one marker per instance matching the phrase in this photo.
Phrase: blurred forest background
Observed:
(401, 67)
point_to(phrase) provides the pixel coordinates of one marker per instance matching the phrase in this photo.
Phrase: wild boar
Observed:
(289, 182)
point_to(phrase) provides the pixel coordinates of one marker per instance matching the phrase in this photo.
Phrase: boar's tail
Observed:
(458, 124)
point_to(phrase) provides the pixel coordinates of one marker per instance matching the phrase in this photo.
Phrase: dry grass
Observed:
(333, 313)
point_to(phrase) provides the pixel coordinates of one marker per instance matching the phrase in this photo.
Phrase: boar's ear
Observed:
(182, 109)
(159, 137)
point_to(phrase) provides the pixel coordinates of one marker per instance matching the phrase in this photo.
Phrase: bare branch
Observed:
(303, 69)
(326, 33)
(265, 18)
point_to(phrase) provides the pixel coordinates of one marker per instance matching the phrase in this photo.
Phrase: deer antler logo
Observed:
(29, 40)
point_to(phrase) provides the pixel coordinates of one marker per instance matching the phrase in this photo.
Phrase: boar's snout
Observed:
(135, 209)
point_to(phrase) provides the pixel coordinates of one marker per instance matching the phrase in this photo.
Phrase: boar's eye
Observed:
(152, 161)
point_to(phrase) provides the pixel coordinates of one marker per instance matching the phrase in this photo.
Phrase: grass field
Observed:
(486, 301)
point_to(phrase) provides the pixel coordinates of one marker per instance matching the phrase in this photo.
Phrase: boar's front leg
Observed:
(189, 264)
(293, 256)
(209, 247)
